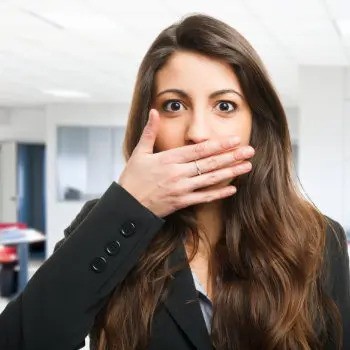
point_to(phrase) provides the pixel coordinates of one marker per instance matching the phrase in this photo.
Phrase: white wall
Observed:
(346, 143)
(346, 176)
(4, 116)
(19, 125)
(8, 183)
(293, 123)
(23, 124)
(321, 138)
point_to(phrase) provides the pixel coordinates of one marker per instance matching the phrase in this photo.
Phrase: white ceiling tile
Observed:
(288, 9)
(301, 28)
(221, 9)
(127, 7)
(339, 9)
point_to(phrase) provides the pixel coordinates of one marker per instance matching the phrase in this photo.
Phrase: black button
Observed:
(112, 248)
(128, 229)
(99, 264)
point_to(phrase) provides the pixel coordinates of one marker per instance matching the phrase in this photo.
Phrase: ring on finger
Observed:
(198, 169)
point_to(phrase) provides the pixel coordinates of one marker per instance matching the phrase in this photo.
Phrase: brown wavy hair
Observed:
(269, 259)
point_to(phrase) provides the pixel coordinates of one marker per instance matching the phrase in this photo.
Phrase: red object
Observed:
(12, 224)
(8, 254)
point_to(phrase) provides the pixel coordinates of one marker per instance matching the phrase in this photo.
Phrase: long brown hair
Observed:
(269, 260)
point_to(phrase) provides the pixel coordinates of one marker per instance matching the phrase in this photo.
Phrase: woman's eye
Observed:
(226, 106)
(172, 106)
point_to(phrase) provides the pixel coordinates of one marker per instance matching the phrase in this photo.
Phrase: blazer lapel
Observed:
(183, 305)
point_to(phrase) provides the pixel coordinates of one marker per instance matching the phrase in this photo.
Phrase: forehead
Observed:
(194, 72)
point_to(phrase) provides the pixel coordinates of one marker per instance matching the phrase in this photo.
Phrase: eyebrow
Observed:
(212, 95)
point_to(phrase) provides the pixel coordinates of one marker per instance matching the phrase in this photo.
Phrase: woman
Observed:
(205, 240)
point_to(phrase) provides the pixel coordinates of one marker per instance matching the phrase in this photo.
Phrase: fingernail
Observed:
(249, 152)
(244, 167)
(150, 116)
(232, 190)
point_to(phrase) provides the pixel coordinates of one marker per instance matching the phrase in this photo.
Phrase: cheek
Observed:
(241, 127)
(245, 132)
(169, 136)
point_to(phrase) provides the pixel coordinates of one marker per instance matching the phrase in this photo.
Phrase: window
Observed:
(88, 160)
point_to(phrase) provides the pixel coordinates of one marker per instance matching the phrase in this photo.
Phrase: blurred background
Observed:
(67, 70)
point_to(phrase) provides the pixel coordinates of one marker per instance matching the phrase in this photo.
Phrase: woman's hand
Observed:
(168, 181)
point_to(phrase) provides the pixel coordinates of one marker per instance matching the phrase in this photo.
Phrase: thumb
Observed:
(149, 134)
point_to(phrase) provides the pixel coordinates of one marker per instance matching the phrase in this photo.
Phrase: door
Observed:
(8, 182)
(31, 190)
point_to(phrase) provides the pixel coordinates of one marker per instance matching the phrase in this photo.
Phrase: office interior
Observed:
(67, 70)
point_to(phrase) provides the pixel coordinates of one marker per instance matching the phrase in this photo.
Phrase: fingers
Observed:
(215, 177)
(189, 153)
(206, 196)
(149, 134)
(216, 162)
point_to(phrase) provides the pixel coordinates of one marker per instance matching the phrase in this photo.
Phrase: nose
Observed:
(198, 128)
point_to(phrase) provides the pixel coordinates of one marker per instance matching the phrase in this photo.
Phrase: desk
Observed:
(21, 238)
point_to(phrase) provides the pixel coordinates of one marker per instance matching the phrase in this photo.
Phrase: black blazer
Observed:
(56, 310)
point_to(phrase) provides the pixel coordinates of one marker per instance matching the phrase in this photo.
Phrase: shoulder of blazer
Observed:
(336, 241)
(335, 272)
(85, 210)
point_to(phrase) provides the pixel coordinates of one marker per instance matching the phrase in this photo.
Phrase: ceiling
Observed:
(94, 47)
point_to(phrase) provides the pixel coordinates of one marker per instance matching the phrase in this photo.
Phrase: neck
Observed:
(209, 222)
(209, 226)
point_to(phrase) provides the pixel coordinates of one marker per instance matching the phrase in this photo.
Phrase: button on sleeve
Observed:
(128, 229)
(112, 248)
(99, 264)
